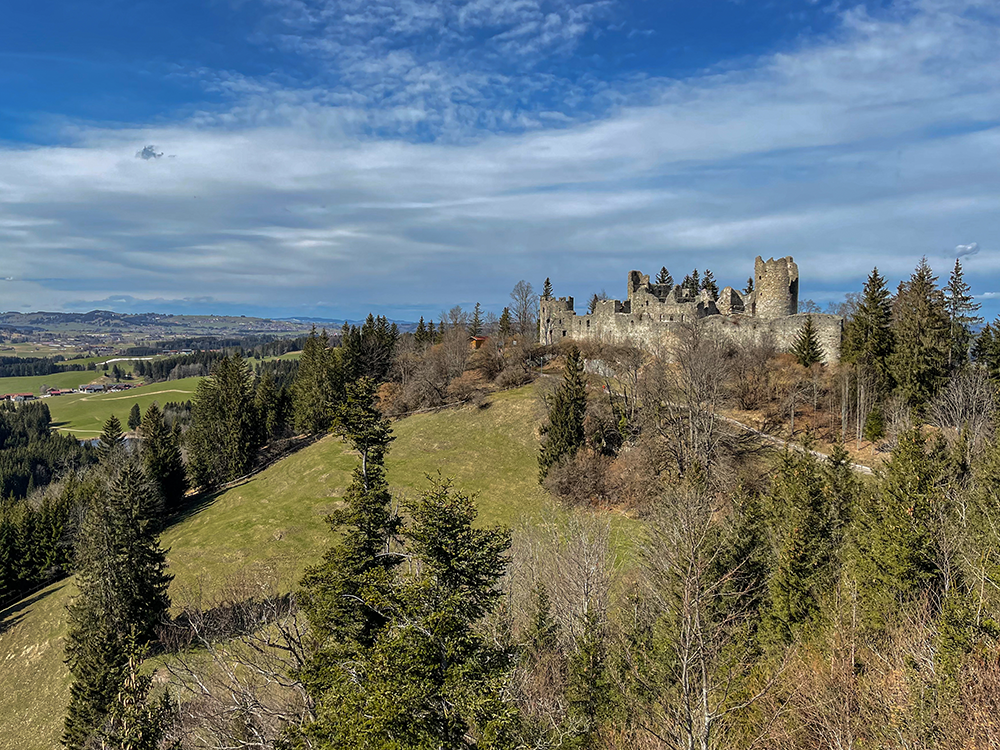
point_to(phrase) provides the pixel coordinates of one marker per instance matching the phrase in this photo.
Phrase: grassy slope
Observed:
(274, 523)
(84, 415)
(34, 383)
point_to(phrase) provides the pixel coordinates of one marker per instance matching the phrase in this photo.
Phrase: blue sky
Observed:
(331, 157)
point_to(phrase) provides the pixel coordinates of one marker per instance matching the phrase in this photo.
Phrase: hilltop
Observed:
(151, 325)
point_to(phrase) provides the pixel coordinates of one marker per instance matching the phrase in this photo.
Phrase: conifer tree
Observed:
(313, 390)
(224, 434)
(564, 434)
(919, 361)
(868, 337)
(893, 531)
(709, 285)
(420, 335)
(547, 289)
(161, 458)
(432, 335)
(802, 547)
(664, 277)
(986, 349)
(592, 304)
(748, 289)
(111, 444)
(588, 686)
(429, 679)
(506, 325)
(961, 307)
(476, 324)
(122, 582)
(134, 417)
(806, 347)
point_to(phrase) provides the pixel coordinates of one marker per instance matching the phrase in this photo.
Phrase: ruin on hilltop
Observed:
(652, 313)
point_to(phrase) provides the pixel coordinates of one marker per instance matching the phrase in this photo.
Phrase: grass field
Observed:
(85, 414)
(273, 525)
(34, 383)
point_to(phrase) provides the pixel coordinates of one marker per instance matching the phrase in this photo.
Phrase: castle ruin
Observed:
(652, 313)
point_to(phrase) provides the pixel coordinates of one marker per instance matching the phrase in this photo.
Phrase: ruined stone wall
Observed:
(652, 315)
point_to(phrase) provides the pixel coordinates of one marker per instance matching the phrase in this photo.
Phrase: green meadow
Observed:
(272, 526)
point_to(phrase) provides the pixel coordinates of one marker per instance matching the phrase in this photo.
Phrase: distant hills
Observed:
(161, 325)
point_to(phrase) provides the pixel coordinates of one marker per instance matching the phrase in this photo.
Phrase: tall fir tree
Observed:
(893, 532)
(420, 335)
(547, 289)
(122, 581)
(961, 307)
(919, 361)
(134, 417)
(476, 324)
(868, 336)
(111, 443)
(564, 433)
(664, 277)
(224, 435)
(313, 391)
(161, 458)
(806, 348)
(506, 325)
(748, 289)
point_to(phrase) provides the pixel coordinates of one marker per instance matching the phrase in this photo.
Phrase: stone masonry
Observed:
(652, 313)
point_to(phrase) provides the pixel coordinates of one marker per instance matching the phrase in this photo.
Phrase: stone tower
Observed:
(776, 287)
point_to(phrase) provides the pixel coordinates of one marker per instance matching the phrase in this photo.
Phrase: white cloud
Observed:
(864, 148)
(963, 251)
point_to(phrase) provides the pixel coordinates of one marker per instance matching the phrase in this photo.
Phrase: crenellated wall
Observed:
(653, 313)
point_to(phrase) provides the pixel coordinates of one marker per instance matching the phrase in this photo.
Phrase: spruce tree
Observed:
(420, 335)
(111, 444)
(587, 683)
(564, 434)
(134, 417)
(868, 337)
(313, 389)
(893, 558)
(961, 306)
(476, 324)
(919, 361)
(709, 284)
(506, 325)
(592, 304)
(986, 349)
(122, 581)
(748, 289)
(664, 277)
(161, 458)
(429, 678)
(547, 289)
(806, 348)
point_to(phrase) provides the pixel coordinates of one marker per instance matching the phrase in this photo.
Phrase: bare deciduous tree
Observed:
(524, 309)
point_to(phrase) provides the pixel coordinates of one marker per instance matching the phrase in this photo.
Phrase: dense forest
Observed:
(838, 590)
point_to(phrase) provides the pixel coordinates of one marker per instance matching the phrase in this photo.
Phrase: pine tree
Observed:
(806, 348)
(429, 678)
(564, 434)
(547, 289)
(134, 417)
(420, 335)
(161, 458)
(476, 324)
(748, 289)
(802, 547)
(709, 285)
(868, 337)
(224, 434)
(919, 362)
(122, 582)
(111, 444)
(960, 306)
(664, 277)
(893, 558)
(313, 391)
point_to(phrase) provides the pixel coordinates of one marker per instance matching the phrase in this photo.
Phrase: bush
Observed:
(581, 480)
